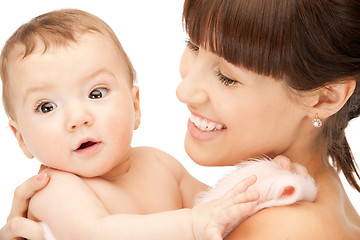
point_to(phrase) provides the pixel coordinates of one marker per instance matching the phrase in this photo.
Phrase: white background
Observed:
(152, 35)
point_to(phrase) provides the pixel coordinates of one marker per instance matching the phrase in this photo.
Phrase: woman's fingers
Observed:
(42, 168)
(24, 192)
(21, 227)
(299, 169)
(284, 162)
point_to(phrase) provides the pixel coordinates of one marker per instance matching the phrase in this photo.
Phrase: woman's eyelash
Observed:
(225, 80)
(191, 46)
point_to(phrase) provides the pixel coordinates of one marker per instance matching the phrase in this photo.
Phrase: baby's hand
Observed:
(211, 219)
(286, 164)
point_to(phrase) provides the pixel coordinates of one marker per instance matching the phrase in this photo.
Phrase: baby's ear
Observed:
(330, 99)
(136, 101)
(14, 127)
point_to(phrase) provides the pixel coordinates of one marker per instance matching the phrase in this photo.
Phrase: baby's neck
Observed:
(118, 171)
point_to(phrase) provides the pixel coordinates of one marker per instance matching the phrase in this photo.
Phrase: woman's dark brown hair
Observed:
(307, 43)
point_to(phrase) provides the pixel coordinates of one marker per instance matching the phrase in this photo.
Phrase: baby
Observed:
(68, 88)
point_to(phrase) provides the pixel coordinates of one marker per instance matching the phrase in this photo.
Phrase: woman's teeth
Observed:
(205, 125)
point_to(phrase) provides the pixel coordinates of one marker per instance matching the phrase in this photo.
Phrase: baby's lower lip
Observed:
(90, 150)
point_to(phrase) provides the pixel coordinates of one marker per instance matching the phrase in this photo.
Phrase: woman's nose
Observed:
(192, 90)
(78, 118)
(187, 92)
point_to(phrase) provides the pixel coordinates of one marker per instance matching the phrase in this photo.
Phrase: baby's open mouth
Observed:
(86, 145)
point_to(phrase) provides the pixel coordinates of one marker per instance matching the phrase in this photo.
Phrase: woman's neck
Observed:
(311, 153)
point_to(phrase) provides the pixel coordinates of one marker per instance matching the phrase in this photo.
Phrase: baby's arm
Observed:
(72, 211)
(206, 221)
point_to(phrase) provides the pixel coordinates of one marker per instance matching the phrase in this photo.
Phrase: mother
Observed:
(277, 77)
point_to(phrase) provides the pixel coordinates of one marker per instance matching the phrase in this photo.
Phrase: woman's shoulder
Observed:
(331, 216)
(302, 221)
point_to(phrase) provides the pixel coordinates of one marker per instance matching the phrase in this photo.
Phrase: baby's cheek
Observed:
(48, 147)
(121, 126)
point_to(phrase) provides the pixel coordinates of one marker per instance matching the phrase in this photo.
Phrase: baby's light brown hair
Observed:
(57, 28)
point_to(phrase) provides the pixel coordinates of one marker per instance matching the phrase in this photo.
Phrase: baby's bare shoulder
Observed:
(59, 184)
(66, 190)
(60, 180)
(302, 221)
(173, 169)
(153, 155)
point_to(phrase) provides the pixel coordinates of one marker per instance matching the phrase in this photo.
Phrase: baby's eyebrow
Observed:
(32, 90)
(97, 72)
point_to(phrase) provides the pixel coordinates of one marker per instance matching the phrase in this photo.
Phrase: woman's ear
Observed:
(330, 99)
(136, 101)
(14, 127)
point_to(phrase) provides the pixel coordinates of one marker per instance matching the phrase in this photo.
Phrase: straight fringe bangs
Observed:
(253, 34)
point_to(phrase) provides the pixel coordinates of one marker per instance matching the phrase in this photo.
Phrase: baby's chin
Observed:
(88, 173)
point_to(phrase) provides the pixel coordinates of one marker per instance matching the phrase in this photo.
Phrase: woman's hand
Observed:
(17, 225)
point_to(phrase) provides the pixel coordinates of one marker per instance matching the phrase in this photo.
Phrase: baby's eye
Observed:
(191, 46)
(98, 93)
(45, 107)
(225, 80)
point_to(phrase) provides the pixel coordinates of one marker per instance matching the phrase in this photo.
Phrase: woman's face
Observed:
(235, 114)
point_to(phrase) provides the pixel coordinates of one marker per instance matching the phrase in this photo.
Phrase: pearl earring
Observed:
(316, 121)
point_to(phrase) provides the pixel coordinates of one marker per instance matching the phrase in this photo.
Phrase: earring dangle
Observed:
(316, 121)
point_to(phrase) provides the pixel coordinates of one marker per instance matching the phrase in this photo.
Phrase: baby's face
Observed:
(75, 108)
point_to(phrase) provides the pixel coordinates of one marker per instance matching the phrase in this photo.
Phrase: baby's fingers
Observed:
(241, 209)
(213, 233)
(236, 213)
(242, 186)
(245, 197)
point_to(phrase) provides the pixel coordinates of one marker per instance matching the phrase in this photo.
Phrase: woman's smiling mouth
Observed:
(205, 124)
(204, 129)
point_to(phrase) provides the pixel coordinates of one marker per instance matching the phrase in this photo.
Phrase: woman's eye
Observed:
(98, 93)
(225, 80)
(191, 46)
(45, 107)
